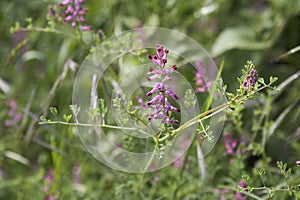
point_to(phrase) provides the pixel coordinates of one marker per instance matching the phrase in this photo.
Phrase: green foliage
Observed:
(40, 58)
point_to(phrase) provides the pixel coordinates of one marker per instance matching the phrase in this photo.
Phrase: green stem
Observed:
(46, 30)
(154, 135)
(93, 125)
(191, 121)
(215, 109)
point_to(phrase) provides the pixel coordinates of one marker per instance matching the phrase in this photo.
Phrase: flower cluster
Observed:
(160, 103)
(201, 84)
(237, 195)
(251, 79)
(75, 13)
(231, 145)
(49, 178)
(76, 171)
(13, 114)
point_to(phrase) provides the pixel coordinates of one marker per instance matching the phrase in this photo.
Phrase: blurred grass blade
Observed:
(5, 87)
(17, 157)
(285, 83)
(281, 117)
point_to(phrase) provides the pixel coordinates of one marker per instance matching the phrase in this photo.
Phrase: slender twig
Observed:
(47, 30)
(292, 51)
(155, 137)
(201, 162)
(93, 125)
(215, 109)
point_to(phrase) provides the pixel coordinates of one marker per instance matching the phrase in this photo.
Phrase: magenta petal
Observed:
(85, 28)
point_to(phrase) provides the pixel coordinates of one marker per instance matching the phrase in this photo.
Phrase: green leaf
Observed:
(241, 37)
(53, 111)
(273, 79)
(87, 37)
(44, 119)
(67, 118)
(261, 80)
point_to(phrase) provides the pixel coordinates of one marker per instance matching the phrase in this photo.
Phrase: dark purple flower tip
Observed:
(166, 51)
(52, 11)
(172, 121)
(155, 60)
(160, 53)
(175, 109)
(170, 92)
(157, 88)
(155, 76)
(245, 84)
(149, 93)
(157, 98)
(174, 67)
(298, 162)
(149, 56)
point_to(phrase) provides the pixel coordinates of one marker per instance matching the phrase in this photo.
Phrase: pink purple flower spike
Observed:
(50, 197)
(160, 104)
(50, 176)
(13, 115)
(76, 172)
(75, 13)
(251, 79)
(230, 144)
